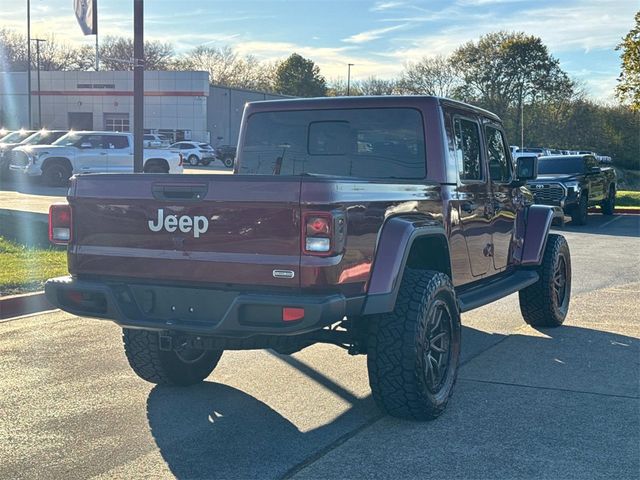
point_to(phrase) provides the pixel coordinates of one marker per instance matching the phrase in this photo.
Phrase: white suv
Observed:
(195, 153)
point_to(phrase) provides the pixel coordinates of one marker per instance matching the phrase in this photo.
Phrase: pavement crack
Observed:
(329, 448)
(555, 389)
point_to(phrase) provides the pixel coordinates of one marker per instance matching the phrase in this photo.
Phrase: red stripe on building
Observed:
(116, 93)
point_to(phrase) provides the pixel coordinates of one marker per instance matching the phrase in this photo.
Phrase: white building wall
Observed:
(173, 100)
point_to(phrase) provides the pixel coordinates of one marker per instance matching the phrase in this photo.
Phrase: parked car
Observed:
(269, 257)
(7, 144)
(152, 140)
(196, 153)
(575, 183)
(226, 154)
(539, 151)
(89, 152)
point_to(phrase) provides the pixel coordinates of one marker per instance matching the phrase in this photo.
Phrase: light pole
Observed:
(349, 65)
(38, 40)
(138, 84)
(29, 60)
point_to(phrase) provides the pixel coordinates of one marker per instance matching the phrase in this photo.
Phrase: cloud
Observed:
(370, 35)
(382, 6)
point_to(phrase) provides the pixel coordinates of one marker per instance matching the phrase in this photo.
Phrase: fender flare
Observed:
(538, 224)
(396, 240)
(66, 161)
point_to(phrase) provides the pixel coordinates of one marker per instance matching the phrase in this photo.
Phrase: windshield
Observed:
(70, 139)
(366, 143)
(17, 137)
(560, 165)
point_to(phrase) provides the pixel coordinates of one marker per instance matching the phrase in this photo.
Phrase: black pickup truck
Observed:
(574, 183)
(369, 223)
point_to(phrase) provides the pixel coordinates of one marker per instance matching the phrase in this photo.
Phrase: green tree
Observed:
(299, 77)
(628, 88)
(504, 70)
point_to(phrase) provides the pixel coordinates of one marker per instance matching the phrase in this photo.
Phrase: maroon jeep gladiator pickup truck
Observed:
(370, 223)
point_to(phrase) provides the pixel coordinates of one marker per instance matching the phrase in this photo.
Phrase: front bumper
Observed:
(29, 170)
(201, 311)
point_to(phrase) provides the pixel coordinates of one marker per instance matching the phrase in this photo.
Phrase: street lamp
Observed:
(349, 65)
(38, 41)
(29, 60)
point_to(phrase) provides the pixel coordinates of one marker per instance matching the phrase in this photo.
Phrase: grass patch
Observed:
(627, 198)
(24, 269)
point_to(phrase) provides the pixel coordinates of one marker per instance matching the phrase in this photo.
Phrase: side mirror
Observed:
(526, 168)
(86, 145)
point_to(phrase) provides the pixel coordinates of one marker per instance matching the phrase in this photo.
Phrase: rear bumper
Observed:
(201, 311)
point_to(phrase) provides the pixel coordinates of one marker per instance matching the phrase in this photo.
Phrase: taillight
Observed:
(324, 233)
(181, 163)
(60, 223)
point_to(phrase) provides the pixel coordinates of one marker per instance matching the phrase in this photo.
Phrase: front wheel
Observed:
(182, 365)
(608, 205)
(227, 161)
(580, 213)
(546, 302)
(414, 352)
(56, 175)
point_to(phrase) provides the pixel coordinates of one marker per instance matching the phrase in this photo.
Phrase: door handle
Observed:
(468, 207)
(103, 153)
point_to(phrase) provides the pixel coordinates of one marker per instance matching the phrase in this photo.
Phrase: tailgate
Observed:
(228, 229)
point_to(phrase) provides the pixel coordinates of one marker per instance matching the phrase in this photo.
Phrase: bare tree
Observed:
(429, 76)
(116, 53)
(376, 86)
(227, 67)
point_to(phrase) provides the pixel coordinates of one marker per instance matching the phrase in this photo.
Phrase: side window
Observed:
(117, 142)
(467, 149)
(96, 141)
(498, 160)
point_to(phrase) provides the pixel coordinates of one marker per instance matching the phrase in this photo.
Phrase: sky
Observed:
(378, 36)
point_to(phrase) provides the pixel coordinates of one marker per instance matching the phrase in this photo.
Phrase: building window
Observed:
(116, 122)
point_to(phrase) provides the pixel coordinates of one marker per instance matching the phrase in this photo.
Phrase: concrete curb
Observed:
(18, 305)
(618, 211)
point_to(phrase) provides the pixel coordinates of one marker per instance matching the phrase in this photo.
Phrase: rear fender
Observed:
(399, 235)
(538, 223)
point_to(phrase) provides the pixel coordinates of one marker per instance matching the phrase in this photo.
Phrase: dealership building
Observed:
(181, 105)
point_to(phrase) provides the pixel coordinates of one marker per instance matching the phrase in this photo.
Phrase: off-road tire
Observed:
(546, 302)
(162, 367)
(56, 175)
(205, 161)
(227, 161)
(399, 356)
(193, 160)
(608, 205)
(580, 213)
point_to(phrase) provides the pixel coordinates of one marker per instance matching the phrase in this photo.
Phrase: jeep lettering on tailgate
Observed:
(185, 223)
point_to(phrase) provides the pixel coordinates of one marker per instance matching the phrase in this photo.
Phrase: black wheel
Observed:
(205, 161)
(56, 175)
(546, 302)
(181, 366)
(608, 205)
(227, 160)
(580, 213)
(193, 160)
(414, 351)
(156, 169)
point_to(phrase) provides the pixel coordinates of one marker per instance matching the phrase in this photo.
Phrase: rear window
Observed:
(560, 165)
(367, 143)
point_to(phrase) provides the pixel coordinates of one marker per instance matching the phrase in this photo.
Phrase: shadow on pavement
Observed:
(31, 186)
(626, 225)
(216, 431)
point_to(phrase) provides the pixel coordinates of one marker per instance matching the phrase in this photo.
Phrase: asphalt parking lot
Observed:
(554, 403)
